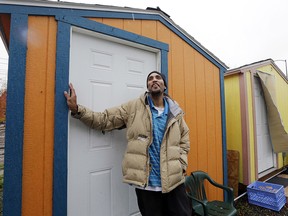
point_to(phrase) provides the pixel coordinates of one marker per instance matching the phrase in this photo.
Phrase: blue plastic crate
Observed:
(267, 195)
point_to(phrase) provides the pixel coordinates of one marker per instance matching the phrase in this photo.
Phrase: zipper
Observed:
(151, 139)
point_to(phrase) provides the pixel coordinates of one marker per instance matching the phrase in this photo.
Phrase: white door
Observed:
(105, 73)
(266, 157)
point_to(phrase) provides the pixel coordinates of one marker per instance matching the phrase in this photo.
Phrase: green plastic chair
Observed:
(201, 206)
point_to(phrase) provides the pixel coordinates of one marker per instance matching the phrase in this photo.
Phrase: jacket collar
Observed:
(174, 107)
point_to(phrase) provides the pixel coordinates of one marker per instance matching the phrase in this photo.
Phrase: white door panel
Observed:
(265, 155)
(104, 74)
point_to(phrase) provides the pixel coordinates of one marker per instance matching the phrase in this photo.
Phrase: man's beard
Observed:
(156, 93)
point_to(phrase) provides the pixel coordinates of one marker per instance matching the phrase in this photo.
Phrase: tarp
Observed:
(278, 134)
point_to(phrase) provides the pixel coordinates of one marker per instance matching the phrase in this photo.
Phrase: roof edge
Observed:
(99, 7)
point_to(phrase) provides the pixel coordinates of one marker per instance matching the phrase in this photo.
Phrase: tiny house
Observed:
(55, 165)
(256, 100)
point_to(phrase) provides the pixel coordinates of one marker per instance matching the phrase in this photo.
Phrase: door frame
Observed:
(64, 32)
(77, 32)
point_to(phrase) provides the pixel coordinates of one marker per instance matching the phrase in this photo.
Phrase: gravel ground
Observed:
(246, 209)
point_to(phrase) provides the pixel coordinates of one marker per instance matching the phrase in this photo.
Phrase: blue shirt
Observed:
(159, 125)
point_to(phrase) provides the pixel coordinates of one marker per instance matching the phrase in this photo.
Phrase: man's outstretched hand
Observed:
(71, 99)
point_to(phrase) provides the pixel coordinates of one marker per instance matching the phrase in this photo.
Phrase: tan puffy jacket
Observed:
(136, 116)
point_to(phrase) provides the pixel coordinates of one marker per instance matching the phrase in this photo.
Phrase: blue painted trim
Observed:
(61, 121)
(61, 111)
(112, 31)
(12, 203)
(164, 66)
(53, 11)
(224, 142)
(107, 14)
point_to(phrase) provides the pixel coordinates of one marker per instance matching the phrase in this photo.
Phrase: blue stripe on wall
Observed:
(164, 65)
(61, 110)
(61, 121)
(12, 203)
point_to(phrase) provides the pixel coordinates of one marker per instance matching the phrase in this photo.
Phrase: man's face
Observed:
(155, 84)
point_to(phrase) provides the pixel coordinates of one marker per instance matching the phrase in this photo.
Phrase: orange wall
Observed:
(39, 117)
(193, 82)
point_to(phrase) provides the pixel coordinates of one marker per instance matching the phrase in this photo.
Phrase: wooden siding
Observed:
(251, 143)
(39, 117)
(233, 117)
(194, 82)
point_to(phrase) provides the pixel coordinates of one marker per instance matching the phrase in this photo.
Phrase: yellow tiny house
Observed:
(256, 118)
(48, 44)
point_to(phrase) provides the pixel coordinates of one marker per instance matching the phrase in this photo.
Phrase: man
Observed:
(155, 160)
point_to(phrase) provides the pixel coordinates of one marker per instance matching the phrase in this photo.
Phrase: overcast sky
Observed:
(238, 32)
